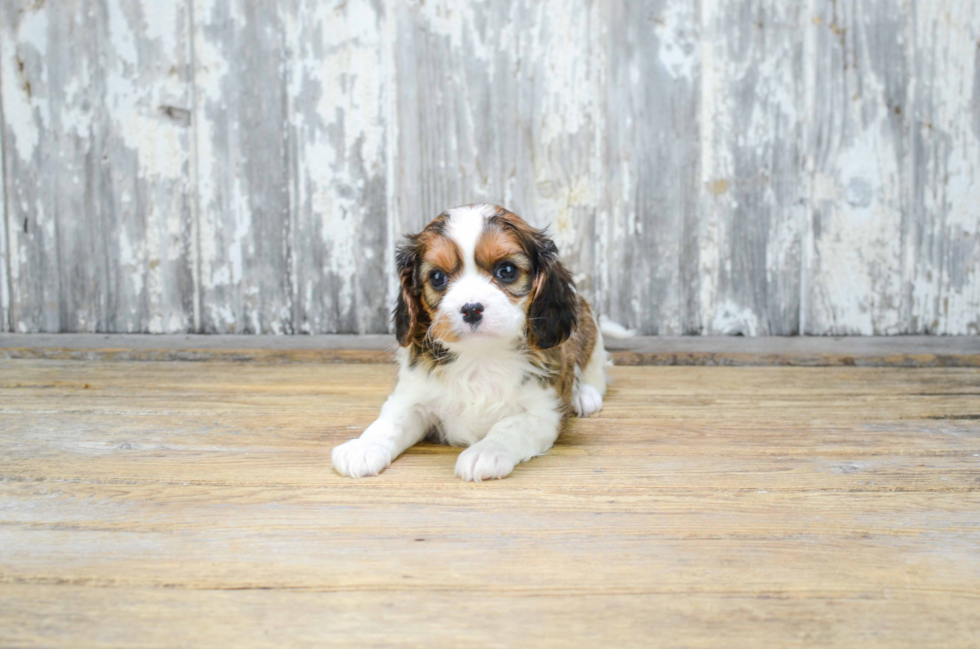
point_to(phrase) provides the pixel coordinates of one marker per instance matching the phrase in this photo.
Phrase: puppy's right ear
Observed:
(408, 315)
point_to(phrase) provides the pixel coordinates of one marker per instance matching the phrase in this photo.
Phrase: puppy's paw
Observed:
(359, 458)
(586, 400)
(484, 461)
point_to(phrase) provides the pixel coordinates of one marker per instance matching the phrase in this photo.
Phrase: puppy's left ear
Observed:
(553, 314)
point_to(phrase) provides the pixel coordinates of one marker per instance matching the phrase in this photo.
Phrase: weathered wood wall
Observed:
(707, 166)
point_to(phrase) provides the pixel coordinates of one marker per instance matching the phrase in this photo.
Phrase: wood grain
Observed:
(713, 168)
(242, 139)
(891, 351)
(752, 211)
(4, 267)
(942, 233)
(648, 235)
(338, 148)
(860, 159)
(96, 99)
(893, 152)
(155, 504)
(496, 103)
(291, 146)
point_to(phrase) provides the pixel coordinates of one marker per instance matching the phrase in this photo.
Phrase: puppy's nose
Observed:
(472, 312)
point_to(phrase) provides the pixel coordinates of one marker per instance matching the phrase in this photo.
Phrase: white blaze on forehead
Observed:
(465, 227)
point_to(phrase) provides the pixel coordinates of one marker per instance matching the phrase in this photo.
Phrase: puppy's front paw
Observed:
(484, 461)
(587, 400)
(359, 458)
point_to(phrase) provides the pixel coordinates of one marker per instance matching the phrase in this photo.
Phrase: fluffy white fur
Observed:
(614, 330)
(478, 401)
(487, 399)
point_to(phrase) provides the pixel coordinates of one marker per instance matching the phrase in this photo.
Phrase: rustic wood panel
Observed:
(30, 38)
(648, 237)
(96, 102)
(248, 618)
(753, 182)
(719, 167)
(292, 161)
(496, 102)
(152, 503)
(730, 351)
(860, 158)
(242, 117)
(4, 278)
(337, 94)
(941, 235)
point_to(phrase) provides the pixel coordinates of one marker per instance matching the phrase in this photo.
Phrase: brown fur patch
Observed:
(498, 245)
(585, 334)
(412, 315)
(429, 355)
(442, 252)
(509, 221)
(442, 329)
(433, 251)
(560, 361)
(495, 245)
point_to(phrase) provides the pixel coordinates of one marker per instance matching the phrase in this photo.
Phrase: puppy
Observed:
(496, 348)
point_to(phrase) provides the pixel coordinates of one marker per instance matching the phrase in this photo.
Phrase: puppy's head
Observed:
(479, 275)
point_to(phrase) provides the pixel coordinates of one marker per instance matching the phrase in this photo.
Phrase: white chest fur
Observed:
(467, 397)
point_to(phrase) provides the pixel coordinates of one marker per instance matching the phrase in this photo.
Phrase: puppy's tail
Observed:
(614, 330)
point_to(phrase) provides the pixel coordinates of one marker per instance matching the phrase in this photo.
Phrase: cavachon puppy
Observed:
(496, 348)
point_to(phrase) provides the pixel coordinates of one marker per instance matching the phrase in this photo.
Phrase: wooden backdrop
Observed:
(707, 166)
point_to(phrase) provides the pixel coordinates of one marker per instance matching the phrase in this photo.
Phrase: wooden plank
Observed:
(4, 267)
(757, 167)
(26, 44)
(942, 233)
(164, 618)
(147, 194)
(156, 503)
(242, 140)
(34, 277)
(753, 184)
(649, 166)
(96, 113)
(496, 103)
(291, 143)
(337, 95)
(858, 155)
(891, 351)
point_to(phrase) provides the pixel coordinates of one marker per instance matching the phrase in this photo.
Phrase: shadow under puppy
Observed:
(496, 347)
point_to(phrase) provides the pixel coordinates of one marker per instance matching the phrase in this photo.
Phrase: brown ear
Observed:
(409, 316)
(553, 315)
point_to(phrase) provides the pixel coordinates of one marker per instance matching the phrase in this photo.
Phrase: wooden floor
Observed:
(147, 504)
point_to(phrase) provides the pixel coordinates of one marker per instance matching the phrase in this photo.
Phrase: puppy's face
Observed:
(479, 275)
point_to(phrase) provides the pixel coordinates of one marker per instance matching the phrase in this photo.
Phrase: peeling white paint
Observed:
(946, 280)
(25, 109)
(717, 165)
(856, 271)
(560, 59)
(395, 111)
(457, 22)
(4, 280)
(210, 69)
(679, 39)
(121, 34)
(341, 151)
(731, 319)
(751, 177)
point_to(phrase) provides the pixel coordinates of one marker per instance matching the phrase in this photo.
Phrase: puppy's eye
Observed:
(438, 280)
(506, 272)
